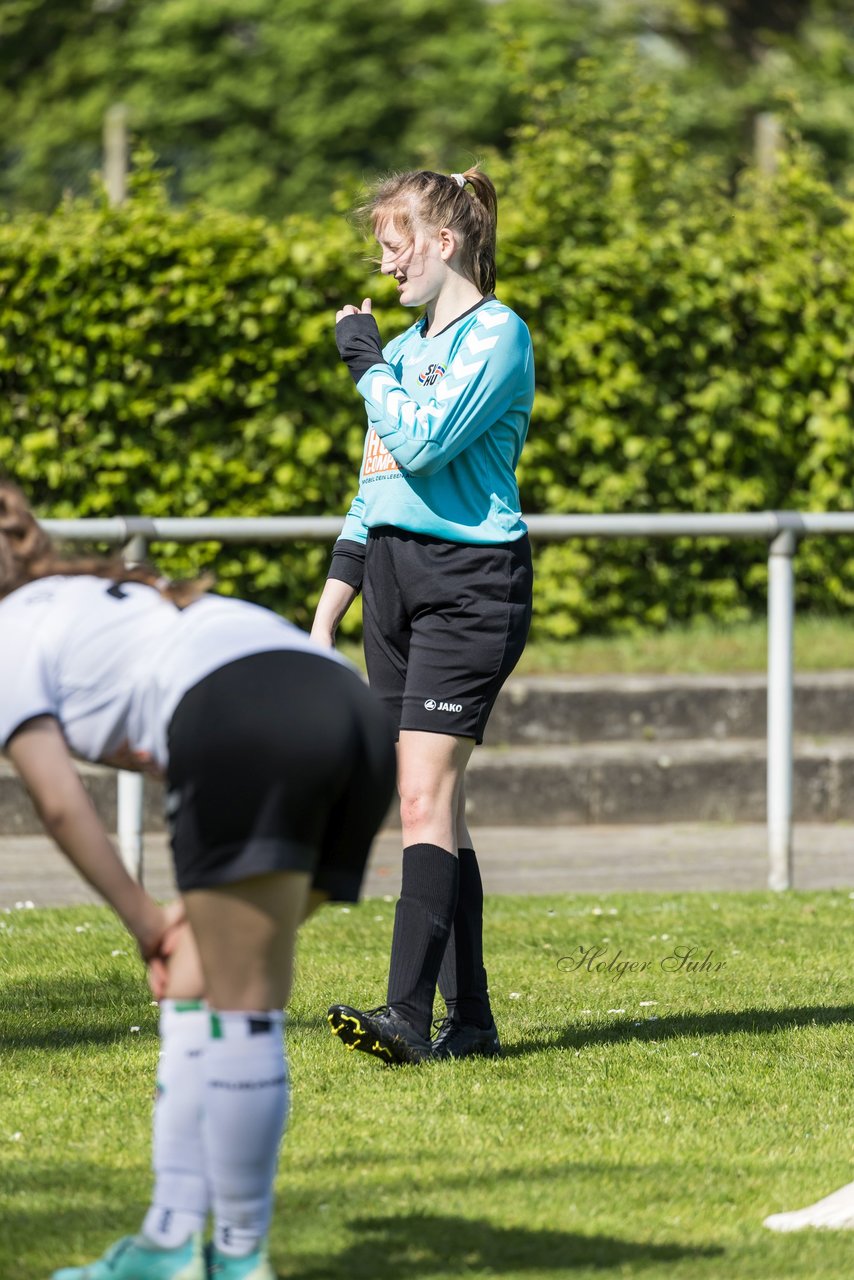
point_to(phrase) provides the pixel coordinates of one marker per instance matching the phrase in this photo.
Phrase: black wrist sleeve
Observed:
(348, 563)
(359, 343)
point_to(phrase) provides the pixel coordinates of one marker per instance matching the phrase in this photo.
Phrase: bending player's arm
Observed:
(40, 755)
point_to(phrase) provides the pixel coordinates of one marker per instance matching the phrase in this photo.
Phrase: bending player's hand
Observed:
(157, 956)
(176, 971)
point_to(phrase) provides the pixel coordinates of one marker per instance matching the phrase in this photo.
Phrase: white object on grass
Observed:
(834, 1213)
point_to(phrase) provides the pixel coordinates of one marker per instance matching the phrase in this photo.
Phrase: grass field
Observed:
(821, 644)
(640, 1125)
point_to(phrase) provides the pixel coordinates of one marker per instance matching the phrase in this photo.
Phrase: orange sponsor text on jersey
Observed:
(377, 457)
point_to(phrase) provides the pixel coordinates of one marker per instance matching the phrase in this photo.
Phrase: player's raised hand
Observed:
(358, 338)
(350, 310)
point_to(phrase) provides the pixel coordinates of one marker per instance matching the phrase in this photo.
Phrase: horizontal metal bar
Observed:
(827, 522)
(763, 524)
(203, 529)
(96, 529)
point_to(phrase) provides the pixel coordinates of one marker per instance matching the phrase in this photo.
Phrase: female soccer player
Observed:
(279, 767)
(436, 542)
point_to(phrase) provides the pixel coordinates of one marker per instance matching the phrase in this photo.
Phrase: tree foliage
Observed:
(694, 352)
(263, 107)
(163, 361)
(729, 60)
(271, 106)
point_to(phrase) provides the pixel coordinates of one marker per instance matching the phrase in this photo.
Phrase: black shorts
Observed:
(445, 623)
(282, 761)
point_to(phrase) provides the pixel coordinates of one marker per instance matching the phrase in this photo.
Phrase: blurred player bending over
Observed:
(279, 767)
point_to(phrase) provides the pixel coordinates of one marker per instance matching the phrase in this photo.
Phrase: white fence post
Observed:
(768, 142)
(129, 802)
(130, 787)
(781, 617)
(116, 153)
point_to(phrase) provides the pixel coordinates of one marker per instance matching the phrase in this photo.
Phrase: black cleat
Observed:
(461, 1040)
(381, 1032)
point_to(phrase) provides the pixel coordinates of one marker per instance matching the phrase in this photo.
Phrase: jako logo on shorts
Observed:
(431, 374)
(432, 705)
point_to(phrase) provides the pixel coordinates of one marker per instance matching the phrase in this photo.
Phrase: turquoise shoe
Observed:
(254, 1266)
(135, 1258)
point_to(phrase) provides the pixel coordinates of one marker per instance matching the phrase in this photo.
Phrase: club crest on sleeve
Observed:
(427, 377)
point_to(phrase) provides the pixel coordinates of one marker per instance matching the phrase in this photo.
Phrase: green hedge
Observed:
(695, 354)
(693, 347)
(181, 362)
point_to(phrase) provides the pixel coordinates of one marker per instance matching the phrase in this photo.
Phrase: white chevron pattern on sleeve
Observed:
(448, 390)
(380, 383)
(492, 319)
(476, 345)
(417, 420)
(459, 369)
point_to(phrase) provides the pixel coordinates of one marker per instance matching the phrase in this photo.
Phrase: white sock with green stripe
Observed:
(180, 1201)
(246, 1106)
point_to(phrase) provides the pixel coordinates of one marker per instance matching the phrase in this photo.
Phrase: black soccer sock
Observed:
(462, 977)
(422, 924)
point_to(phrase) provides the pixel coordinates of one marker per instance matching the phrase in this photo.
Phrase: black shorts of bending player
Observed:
(445, 624)
(281, 761)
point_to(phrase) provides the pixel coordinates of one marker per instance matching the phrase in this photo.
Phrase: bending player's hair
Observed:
(27, 554)
(466, 203)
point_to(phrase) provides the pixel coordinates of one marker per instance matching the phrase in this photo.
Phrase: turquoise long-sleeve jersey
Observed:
(447, 418)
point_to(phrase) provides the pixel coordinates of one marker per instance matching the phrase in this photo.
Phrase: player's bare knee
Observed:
(418, 808)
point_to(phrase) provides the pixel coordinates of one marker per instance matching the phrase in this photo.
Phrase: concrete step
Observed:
(620, 782)
(534, 710)
(569, 750)
(652, 782)
(18, 817)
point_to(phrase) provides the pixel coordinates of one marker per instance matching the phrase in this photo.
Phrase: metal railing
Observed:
(781, 530)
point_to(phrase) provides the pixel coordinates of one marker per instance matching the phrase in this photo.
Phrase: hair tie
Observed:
(460, 179)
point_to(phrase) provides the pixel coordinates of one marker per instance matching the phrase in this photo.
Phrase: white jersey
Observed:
(111, 663)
